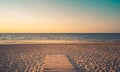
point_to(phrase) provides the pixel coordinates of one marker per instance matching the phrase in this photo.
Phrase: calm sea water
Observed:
(96, 37)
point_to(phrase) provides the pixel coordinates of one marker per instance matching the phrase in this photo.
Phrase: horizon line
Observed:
(62, 32)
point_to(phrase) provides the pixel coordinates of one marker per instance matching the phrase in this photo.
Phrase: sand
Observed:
(84, 57)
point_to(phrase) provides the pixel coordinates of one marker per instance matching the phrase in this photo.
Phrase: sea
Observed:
(91, 37)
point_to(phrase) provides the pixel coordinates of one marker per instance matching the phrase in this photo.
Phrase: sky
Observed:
(59, 16)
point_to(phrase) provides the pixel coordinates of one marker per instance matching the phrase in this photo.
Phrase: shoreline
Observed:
(34, 42)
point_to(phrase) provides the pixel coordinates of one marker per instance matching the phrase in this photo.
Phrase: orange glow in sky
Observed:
(56, 17)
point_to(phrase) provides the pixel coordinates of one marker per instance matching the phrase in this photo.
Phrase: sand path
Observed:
(57, 63)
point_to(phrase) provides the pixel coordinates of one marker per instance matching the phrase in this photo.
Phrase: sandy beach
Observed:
(59, 35)
(84, 57)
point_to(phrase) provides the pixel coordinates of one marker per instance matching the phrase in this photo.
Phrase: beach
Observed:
(84, 57)
(59, 35)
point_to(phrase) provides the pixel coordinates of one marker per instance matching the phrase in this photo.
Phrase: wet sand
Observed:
(84, 57)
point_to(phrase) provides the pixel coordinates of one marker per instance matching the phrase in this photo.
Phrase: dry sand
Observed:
(84, 57)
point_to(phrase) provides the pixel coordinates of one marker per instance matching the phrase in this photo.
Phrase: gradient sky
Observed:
(59, 16)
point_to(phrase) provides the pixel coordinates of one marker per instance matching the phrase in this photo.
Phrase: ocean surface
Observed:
(92, 37)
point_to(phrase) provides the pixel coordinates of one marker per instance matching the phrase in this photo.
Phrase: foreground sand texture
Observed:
(57, 63)
(85, 58)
